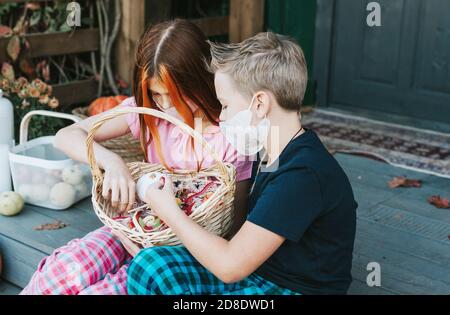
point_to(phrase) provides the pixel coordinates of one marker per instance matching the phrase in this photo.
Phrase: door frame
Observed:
(323, 46)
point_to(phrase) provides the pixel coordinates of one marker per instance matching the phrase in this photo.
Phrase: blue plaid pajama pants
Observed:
(172, 270)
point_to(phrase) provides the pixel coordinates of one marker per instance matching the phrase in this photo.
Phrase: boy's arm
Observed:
(230, 261)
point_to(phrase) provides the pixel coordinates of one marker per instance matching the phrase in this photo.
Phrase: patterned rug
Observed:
(410, 148)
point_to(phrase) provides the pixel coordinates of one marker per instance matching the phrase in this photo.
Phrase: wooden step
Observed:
(7, 288)
(396, 228)
(23, 248)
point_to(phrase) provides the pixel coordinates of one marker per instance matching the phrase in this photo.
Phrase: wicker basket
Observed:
(215, 214)
(126, 146)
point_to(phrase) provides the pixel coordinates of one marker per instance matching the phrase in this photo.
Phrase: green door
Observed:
(401, 67)
(295, 18)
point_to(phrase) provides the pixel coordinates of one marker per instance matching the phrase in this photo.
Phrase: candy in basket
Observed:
(189, 196)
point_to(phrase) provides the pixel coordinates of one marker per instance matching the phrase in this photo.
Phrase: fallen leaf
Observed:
(404, 182)
(51, 226)
(438, 202)
(13, 47)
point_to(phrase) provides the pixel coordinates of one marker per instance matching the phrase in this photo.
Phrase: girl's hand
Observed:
(132, 248)
(119, 185)
(161, 199)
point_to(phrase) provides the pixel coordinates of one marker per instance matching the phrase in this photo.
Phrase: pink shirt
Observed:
(176, 146)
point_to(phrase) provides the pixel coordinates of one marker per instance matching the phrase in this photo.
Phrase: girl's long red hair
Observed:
(175, 53)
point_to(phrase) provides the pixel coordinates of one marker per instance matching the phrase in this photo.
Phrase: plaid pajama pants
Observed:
(172, 270)
(95, 264)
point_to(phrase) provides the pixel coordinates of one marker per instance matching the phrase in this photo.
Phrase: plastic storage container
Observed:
(43, 175)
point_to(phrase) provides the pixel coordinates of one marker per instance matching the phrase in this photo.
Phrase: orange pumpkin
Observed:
(102, 104)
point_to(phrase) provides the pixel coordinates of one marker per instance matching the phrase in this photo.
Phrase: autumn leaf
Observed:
(438, 202)
(33, 6)
(13, 47)
(26, 67)
(8, 71)
(5, 31)
(404, 182)
(51, 226)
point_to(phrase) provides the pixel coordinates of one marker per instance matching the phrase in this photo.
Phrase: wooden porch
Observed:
(396, 228)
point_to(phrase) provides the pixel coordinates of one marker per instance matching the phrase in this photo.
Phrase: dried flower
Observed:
(23, 93)
(21, 82)
(40, 85)
(53, 103)
(33, 92)
(4, 85)
(43, 99)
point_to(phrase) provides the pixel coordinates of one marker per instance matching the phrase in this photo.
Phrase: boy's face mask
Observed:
(242, 135)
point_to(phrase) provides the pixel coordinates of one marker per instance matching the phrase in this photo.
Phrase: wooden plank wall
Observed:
(246, 19)
(56, 44)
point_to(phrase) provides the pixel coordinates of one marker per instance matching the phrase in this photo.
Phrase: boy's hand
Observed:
(161, 199)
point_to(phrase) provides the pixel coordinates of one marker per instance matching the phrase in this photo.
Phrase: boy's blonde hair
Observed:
(266, 61)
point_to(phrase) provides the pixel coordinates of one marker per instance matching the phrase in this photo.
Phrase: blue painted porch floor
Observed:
(396, 228)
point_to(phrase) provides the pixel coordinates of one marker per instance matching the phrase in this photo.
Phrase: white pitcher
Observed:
(6, 141)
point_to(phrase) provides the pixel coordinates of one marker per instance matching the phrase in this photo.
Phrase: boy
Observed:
(299, 234)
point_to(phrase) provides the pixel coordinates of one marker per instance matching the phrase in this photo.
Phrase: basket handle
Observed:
(26, 121)
(151, 112)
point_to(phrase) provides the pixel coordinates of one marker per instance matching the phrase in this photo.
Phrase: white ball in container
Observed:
(39, 193)
(37, 177)
(51, 180)
(22, 173)
(72, 175)
(55, 173)
(62, 195)
(25, 190)
(81, 189)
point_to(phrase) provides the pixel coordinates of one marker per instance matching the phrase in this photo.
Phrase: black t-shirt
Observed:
(306, 197)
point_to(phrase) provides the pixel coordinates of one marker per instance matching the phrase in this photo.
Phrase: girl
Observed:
(170, 75)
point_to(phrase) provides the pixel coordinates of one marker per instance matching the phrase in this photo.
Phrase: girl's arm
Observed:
(230, 261)
(118, 183)
(72, 139)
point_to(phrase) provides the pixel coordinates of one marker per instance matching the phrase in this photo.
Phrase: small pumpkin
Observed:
(11, 203)
(102, 104)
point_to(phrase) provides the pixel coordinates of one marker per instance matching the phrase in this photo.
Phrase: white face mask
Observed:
(245, 138)
(172, 111)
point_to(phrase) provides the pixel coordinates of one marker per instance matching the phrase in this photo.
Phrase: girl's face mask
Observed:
(245, 138)
(172, 111)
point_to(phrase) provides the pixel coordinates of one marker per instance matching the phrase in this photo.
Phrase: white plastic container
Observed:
(6, 141)
(45, 176)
